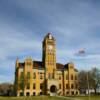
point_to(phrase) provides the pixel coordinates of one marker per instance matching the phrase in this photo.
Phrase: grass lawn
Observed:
(87, 98)
(32, 98)
(50, 98)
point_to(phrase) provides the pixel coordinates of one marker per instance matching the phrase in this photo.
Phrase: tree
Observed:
(93, 79)
(6, 89)
(82, 79)
(96, 78)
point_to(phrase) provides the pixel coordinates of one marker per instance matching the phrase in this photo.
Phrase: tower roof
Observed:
(49, 36)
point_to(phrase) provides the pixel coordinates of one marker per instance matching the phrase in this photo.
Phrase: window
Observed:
(72, 86)
(41, 76)
(21, 94)
(41, 93)
(75, 77)
(34, 75)
(34, 86)
(41, 86)
(67, 86)
(59, 77)
(21, 84)
(28, 75)
(50, 75)
(71, 67)
(76, 92)
(28, 85)
(71, 77)
(66, 77)
(67, 93)
(72, 92)
(76, 86)
(21, 76)
(27, 94)
(53, 75)
(33, 93)
(28, 63)
(59, 86)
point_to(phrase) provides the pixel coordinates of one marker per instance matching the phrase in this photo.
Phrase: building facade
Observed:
(46, 77)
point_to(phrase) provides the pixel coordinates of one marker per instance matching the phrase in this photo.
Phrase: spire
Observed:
(49, 36)
(17, 62)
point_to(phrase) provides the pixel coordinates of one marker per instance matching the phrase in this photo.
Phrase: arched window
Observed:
(49, 76)
(28, 75)
(75, 77)
(76, 86)
(72, 86)
(28, 85)
(34, 93)
(59, 77)
(41, 77)
(66, 76)
(34, 86)
(41, 86)
(67, 86)
(71, 77)
(59, 86)
(34, 75)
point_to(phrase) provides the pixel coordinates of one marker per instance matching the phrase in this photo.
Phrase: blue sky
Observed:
(74, 23)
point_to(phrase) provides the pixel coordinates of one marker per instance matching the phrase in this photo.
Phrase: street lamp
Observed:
(88, 85)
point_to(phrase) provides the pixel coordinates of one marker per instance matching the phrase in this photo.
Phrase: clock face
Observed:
(50, 47)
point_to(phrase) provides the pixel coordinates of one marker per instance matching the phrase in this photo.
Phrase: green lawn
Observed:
(87, 98)
(32, 98)
(50, 98)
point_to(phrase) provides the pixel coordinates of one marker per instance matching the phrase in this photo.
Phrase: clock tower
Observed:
(49, 56)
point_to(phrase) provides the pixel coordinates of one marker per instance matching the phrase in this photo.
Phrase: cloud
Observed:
(74, 24)
(81, 52)
(17, 45)
(7, 79)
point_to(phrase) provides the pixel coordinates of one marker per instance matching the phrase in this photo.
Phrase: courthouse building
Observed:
(46, 77)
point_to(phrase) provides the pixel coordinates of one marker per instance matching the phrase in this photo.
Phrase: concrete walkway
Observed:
(69, 98)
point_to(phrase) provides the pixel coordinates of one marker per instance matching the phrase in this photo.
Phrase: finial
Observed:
(17, 59)
(49, 35)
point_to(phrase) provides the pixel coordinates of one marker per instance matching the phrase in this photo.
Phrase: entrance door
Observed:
(53, 90)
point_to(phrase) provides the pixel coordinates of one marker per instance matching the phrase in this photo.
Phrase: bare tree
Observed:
(95, 72)
(93, 79)
(6, 89)
(82, 79)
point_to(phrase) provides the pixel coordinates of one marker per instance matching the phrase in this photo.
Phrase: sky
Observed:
(75, 24)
